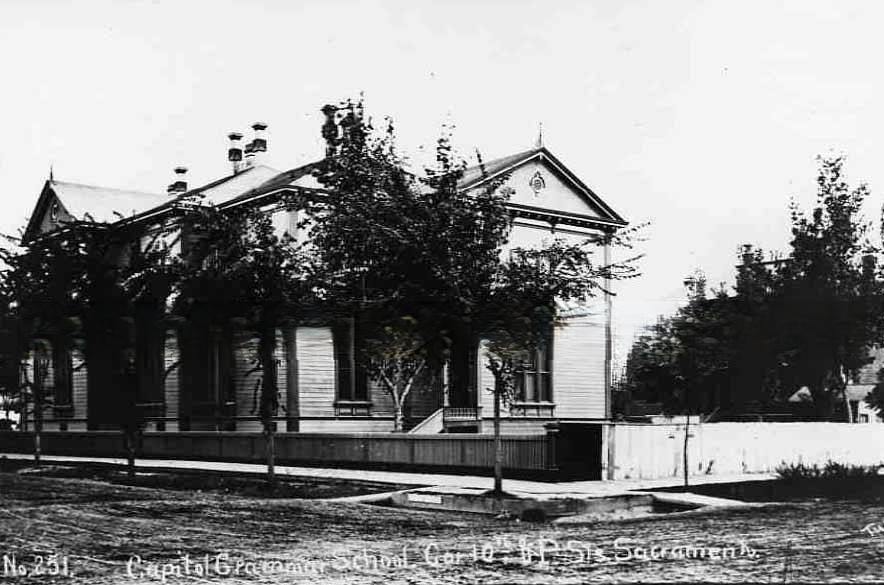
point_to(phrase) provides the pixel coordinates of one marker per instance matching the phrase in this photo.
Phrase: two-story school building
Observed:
(210, 385)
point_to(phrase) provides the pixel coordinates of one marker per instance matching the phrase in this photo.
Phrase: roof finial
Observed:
(539, 143)
(51, 173)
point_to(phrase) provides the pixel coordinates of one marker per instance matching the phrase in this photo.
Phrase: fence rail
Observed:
(444, 452)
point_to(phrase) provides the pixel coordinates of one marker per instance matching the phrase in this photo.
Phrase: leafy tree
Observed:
(39, 300)
(829, 291)
(520, 309)
(875, 398)
(411, 256)
(810, 319)
(421, 260)
(240, 271)
(66, 286)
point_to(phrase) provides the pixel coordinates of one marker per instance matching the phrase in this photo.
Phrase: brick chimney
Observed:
(180, 184)
(331, 131)
(255, 149)
(234, 152)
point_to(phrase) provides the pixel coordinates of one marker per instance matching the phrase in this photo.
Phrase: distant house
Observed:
(207, 385)
(860, 410)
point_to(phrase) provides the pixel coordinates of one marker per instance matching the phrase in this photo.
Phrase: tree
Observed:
(520, 309)
(829, 292)
(239, 271)
(423, 266)
(875, 398)
(147, 278)
(809, 319)
(39, 300)
(77, 286)
(410, 256)
(683, 361)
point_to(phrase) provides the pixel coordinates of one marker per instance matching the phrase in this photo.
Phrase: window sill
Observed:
(352, 408)
(533, 409)
(63, 410)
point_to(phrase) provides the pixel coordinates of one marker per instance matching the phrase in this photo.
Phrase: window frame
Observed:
(352, 390)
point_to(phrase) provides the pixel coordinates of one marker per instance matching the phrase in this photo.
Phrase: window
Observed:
(350, 377)
(533, 378)
(149, 355)
(42, 367)
(63, 367)
(463, 374)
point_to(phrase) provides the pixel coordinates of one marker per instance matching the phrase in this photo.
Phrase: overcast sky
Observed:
(702, 118)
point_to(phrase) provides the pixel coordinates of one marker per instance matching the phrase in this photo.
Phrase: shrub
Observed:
(831, 470)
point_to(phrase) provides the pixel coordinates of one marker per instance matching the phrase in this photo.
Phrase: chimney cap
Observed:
(234, 136)
(258, 126)
(180, 170)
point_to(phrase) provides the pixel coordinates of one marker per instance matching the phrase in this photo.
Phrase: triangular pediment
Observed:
(539, 182)
(49, 214)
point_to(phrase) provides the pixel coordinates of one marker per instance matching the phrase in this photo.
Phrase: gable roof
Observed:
(102, 204)
(220, 191)
(90, 203)
(290, 178)
(233, 186)
(474, 176)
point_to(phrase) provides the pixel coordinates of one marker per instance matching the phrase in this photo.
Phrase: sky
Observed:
(701, 119)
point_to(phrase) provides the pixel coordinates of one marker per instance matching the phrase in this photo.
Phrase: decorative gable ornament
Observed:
(537, 183)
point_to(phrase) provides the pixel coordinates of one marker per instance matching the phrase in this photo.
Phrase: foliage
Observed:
(684, 359)
(810, 319)
(239, 270)
(831, 470)
(522, 307)
(830, 290)
(413, 256)
(64, 287)
(875, 398)
(420, 259)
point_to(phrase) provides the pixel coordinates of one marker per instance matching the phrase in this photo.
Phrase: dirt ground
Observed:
(108, 533)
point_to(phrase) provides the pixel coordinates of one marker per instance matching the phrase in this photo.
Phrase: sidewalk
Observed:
(534, 488)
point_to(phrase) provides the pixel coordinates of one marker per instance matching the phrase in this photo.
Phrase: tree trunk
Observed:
(269, 397)
(270, 433)
(398, 425)
(842, 379)
(822, 401)
(498, 447)
(38, 428)
(130, 452)
(687, 423)
(38, 421)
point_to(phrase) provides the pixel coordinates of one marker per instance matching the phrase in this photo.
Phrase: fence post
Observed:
(553, 449)
(610, 432)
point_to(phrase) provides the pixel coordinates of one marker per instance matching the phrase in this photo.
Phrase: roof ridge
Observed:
(88, 186)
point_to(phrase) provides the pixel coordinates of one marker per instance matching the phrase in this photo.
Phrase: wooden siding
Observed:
(347, 425)
(79, 392)
(245, 355)
(578, 373)
(316, 371)
(172, 382)
(246, 382)
(579, 368)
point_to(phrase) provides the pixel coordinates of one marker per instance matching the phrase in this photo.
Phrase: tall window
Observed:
(534, 376)
(351, 382)
(63, 367)
(150, 341)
